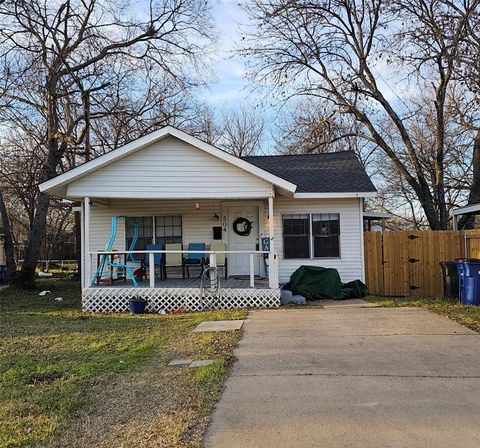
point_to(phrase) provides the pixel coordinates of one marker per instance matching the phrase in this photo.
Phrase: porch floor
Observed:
(192, 282)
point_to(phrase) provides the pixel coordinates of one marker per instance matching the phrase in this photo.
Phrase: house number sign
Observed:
(225, 223)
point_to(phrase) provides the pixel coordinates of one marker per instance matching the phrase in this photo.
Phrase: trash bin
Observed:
(3, 274)
(468, 282)
(450, 279)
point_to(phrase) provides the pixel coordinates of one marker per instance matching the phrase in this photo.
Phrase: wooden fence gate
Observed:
(408, 262)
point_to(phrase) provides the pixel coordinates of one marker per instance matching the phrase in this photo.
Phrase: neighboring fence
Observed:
(408, 263)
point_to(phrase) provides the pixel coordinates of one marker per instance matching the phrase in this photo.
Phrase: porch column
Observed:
(81, 267)
(272, 261)
(86, 243)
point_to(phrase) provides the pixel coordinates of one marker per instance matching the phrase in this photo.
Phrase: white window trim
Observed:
(154, 236)
(312, 255)
(311, 251)
(164, 215)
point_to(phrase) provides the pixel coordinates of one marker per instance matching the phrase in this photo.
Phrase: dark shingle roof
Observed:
(330, 172)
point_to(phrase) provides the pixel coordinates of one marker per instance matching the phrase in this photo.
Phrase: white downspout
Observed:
(362, 241)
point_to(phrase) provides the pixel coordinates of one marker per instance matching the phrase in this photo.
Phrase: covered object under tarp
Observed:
(313, 282)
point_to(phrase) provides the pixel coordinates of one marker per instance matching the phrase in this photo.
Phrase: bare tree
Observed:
(335, 50)
(237, 130)
(315, 126)
(242, 131)
(60, 62)
(311, 126)
(205, 125)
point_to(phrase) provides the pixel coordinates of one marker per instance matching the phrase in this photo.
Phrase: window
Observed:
(315, 235)
(296, 236)
(168, 229)
(326, 235)
(145, 233)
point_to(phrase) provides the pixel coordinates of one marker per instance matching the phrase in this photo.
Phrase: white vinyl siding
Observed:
(197, 227)
(350, 263)
(170, 168)
(196, 223)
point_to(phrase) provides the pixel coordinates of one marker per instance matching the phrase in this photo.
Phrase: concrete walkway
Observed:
(351, 377)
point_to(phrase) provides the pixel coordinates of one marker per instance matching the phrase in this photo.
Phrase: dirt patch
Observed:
(47, 378)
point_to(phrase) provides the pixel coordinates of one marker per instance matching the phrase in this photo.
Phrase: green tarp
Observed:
(314, 282)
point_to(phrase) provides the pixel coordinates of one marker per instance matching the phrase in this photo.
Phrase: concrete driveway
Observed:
(346, 376)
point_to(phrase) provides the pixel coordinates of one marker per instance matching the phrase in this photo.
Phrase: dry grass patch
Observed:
(155, 405)
(466, 315)
(78, 380)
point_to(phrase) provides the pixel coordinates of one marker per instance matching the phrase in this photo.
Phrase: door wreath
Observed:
(242, 223)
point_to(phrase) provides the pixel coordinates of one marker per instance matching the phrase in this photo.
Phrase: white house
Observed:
(170, 188)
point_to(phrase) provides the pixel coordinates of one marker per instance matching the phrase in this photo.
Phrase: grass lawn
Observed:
(77, 380)
(463, 314)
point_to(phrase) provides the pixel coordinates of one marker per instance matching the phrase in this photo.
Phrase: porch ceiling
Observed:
(103, 198)
(108, 201)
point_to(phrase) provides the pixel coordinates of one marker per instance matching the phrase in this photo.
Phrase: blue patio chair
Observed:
(195, 259)
(158, 259)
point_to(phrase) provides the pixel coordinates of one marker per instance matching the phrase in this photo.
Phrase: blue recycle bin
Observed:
(3, 274)
(468, 281)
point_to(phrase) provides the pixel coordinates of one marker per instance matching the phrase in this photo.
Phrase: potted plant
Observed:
(137, 305)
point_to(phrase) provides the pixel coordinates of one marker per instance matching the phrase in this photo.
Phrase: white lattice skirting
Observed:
(115, 300)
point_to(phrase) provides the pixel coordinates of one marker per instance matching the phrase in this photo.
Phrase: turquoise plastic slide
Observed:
(105, 259)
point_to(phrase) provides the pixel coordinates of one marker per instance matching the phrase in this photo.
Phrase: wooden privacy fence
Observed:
(407, 263)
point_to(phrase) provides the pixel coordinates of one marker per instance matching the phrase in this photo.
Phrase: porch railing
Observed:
(272, 261)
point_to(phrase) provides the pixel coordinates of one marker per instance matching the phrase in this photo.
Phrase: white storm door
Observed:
(239, 264)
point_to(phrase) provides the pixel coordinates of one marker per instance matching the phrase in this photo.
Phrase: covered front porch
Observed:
(242, 273)
(181, 191)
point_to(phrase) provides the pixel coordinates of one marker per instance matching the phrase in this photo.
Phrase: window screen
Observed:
(326, 235)
(168, 229)
(296, 236)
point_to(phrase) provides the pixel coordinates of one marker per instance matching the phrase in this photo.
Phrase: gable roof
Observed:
(89, 167)
(338, 174)
(333, 172)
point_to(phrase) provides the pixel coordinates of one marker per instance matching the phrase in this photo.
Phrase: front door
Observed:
(238, 264)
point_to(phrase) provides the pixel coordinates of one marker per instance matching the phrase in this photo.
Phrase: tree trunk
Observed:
(9, 248)
(26, 278)
(468, 221)
(428, 204)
